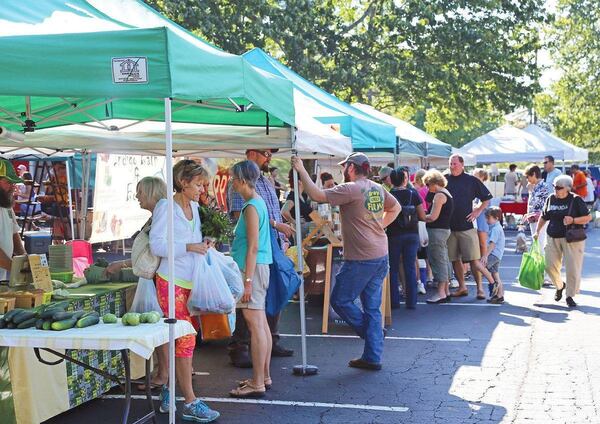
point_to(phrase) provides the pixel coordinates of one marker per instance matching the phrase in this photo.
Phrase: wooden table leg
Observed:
(327, 289)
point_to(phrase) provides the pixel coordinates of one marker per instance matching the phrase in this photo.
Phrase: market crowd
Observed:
(425, 228)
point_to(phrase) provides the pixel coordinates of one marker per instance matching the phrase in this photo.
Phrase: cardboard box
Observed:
(23, 299)
(6, 304)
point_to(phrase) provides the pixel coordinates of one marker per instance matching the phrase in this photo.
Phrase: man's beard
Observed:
(6, 199)
(265, 167)
(347, 176)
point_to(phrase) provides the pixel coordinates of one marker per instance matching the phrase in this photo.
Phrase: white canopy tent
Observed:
(510, 144)
(571, 152)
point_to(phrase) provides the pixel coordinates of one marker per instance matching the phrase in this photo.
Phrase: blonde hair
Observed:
(433, 176)
(153, 187)
(481, 173)
(186, 170)
(419, 176)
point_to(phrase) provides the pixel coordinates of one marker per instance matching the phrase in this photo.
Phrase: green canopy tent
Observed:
(85, 61)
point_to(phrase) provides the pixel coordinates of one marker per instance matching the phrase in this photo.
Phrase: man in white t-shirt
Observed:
(10, 242)
(510, 181)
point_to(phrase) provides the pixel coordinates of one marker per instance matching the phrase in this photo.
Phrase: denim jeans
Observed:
(364, 279)
(405, 246)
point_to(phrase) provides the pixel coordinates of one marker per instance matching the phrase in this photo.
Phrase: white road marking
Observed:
(459, 304)
(350, 336)
(279, 403)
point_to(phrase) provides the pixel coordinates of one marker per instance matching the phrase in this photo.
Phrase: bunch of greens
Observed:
(216, 224)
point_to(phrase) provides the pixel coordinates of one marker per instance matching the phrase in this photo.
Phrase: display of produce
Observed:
(51, 316)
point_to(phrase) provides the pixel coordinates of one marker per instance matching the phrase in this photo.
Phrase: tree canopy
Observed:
(452, 67)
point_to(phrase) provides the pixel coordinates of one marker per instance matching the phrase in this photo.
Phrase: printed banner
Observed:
(117, 214)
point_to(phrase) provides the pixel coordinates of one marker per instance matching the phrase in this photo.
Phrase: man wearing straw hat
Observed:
(366, 208)
(10, 242)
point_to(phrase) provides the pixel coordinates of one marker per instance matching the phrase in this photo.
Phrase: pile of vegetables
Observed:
(133, 318)
(48, 317)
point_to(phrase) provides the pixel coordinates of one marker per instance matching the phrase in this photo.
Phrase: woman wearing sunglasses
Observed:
(561, 211)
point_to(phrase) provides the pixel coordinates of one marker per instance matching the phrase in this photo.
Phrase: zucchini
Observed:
(23, 316)
(39, 323)
(10, 314)
(63, 324)
(49, 312)
(47, 325)
(28, 323)
(87, 321)
(61, 316)
(2, 323)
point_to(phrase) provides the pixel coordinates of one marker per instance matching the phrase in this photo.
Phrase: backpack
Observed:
(408, 219)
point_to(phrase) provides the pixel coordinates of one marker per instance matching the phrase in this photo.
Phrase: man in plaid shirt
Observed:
(238, 348)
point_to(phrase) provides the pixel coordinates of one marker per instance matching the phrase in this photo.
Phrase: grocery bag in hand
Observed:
(210, 292)
(145, 299)
(531, 272)
(230, 271)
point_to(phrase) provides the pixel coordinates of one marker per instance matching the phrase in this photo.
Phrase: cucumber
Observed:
(39, 323)
(47, 325)
(109, 319)
(90, 314)
(28, 323)
(49, 312)
(78, 314)
(10, 314)
(87, 321)
(61, 316)
(23, 316)
(11, 325)
(2, 323)
(64, 324)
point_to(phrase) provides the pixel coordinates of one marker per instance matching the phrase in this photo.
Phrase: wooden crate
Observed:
(6, 304)
(22, 299)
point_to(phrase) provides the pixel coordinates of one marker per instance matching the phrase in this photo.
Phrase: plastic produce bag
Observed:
(423, 235)
(531, 272)
(210, 292)
(145, 299)
(230, 271)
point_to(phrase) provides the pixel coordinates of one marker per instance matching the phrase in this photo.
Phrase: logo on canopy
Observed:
(130, 70)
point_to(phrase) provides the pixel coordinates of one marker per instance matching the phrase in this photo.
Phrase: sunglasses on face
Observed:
(545, 162)
(264, 153)
(558, 188)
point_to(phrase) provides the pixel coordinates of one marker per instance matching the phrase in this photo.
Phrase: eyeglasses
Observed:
(557, 188)
(545, 162)
(264, 153)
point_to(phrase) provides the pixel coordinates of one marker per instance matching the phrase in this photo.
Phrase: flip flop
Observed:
(248, 391)
(481, 297)
(460, 293)
(153, 386)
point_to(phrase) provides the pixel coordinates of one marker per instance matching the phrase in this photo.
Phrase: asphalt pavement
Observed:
(531, 360)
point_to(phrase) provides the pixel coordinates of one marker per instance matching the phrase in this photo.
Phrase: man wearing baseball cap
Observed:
(366, 208)
(10, 242)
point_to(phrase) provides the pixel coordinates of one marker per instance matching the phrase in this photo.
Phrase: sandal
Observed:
(248, 391)
(460, 293)
(268, 383)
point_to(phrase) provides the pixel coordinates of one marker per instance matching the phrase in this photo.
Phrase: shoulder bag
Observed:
(144, 263)
(575, 232)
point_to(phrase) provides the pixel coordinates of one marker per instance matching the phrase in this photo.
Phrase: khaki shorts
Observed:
(260, 284)
(464, 246)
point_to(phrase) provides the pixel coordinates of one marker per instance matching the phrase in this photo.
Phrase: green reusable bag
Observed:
(531, 272)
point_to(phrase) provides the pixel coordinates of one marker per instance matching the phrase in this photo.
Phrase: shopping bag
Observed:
(423, 235)
(210, 292)
(531, 271)
(230, 271)
(283, 279)
(215, 326)
(145, 299)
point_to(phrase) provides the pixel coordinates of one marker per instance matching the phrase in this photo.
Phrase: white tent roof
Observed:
(572, 153)
(510, 144)
(429, 145)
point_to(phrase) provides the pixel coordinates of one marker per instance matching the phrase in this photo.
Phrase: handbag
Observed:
(575, 232)
(531, 271)
(143, 262)
(283, 279)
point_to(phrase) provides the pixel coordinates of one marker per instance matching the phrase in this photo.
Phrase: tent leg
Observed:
(70, 198)
(303, 369)
(171, 259)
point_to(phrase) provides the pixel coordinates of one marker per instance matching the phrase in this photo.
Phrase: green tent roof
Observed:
(73, 61)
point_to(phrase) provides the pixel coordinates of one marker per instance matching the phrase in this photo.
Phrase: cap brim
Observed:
(342, 163)
(274, 150)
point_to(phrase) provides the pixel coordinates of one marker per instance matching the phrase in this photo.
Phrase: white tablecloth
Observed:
(142, 339)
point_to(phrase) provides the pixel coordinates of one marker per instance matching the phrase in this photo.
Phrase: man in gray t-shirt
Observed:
(510, 181)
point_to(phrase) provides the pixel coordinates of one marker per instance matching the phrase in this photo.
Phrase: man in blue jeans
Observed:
(366, 208)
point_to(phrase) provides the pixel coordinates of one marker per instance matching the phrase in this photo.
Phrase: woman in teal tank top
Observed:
(251, 250)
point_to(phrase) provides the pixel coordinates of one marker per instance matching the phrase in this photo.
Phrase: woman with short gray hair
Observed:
(563, 209)
(251, 250)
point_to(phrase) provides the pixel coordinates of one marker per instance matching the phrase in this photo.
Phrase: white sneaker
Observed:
(421, 288)
(453, 283)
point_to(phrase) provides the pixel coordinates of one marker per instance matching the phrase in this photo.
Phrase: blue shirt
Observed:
(482, 225)
(239, 249)
(496, 236)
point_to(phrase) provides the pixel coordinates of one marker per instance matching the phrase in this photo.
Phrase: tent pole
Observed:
(86, 164)
(397, 153)
(70, 198)
(171, 259)
(303, 369)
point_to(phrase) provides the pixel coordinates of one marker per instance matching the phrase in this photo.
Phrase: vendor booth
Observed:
(142, 68)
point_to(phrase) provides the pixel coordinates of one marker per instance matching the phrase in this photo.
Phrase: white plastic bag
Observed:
(145, 299)
(423, 236)
(230, 271)
(210, 292)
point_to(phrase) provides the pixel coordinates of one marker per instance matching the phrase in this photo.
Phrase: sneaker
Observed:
(495, 300)
(280, 351)
(199, 412)
(570, 302)
(421, 288)
(454, 283)
(164, 400)
(365, 365)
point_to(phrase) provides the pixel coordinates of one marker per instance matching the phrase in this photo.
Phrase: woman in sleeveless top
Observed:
(438, 229)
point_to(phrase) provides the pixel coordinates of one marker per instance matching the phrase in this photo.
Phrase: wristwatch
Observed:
(248, 280)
